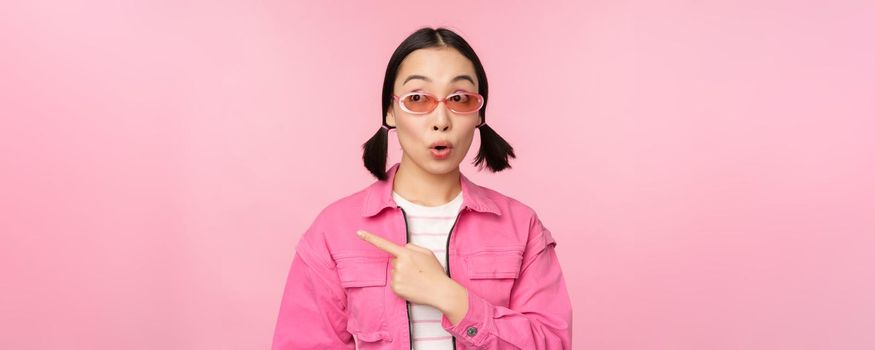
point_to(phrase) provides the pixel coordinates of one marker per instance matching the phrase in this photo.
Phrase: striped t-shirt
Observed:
(429, 227)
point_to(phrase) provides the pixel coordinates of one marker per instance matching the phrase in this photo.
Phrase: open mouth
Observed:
(441, 151)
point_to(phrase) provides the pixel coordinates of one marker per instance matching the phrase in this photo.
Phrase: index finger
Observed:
(381, 243)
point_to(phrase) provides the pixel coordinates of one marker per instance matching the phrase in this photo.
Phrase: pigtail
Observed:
(375, 152)
(493, 149)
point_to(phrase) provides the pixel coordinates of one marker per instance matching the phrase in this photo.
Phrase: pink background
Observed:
(706, 167)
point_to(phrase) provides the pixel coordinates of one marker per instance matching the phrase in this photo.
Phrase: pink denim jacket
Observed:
(498, 249)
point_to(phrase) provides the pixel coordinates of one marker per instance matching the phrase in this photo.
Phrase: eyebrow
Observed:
(457, 78)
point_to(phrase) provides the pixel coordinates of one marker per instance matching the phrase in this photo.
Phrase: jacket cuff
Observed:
(477, 324)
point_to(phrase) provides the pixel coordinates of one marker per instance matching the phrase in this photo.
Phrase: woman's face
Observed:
(436, 71)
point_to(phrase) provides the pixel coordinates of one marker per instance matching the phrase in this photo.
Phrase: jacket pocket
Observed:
(364, 278)
(493, 273)
(368, 340)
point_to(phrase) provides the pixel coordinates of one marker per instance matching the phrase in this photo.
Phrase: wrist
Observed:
(452, 301)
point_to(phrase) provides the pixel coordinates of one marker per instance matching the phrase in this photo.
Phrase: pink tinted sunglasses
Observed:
(418, 102)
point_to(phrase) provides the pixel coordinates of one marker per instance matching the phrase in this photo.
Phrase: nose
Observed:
(442, 117)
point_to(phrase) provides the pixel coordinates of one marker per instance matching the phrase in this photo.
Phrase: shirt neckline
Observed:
(453, 202)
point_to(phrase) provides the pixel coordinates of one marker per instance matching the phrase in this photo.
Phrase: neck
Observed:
(421, 187)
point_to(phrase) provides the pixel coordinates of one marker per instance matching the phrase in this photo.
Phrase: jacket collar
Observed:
(379, 195)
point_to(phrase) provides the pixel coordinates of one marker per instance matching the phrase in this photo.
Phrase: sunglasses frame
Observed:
(439, 100)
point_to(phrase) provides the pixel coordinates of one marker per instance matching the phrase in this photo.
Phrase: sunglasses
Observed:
(461, 102)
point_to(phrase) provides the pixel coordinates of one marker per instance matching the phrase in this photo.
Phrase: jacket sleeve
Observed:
(312, 313)
(539, 312)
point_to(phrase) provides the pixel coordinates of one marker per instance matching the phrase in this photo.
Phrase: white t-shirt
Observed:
(429, 227)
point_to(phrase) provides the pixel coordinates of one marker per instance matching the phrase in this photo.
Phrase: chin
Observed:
(440, 167)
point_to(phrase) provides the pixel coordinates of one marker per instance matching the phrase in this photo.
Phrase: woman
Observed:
(423, 258)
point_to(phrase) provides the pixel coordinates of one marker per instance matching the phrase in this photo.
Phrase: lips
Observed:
(440, 150)
(440, 145)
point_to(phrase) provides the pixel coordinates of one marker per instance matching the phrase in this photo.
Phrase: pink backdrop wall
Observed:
(706, 167)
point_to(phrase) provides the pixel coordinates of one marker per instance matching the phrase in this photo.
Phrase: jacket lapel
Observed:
(378, 196)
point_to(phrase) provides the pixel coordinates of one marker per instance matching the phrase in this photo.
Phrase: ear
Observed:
(390, 117)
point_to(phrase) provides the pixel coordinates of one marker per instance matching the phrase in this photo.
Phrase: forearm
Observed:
(488, 326)
(538, 315)
(452, 300)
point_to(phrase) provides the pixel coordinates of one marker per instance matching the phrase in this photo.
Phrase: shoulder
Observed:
(343, 207)
(519, 217)
(514, 212)
(337, 216)
(511, 207)
(517, 210)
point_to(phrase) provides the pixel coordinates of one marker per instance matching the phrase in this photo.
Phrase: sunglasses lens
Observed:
(419, 103)
(460, 103)
(464, 103)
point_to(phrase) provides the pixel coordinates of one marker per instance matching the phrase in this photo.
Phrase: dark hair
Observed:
(493, 148)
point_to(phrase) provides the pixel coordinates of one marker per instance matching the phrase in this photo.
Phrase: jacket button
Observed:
(472, 331)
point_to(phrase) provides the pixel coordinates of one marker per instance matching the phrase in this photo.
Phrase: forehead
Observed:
(440, 64)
